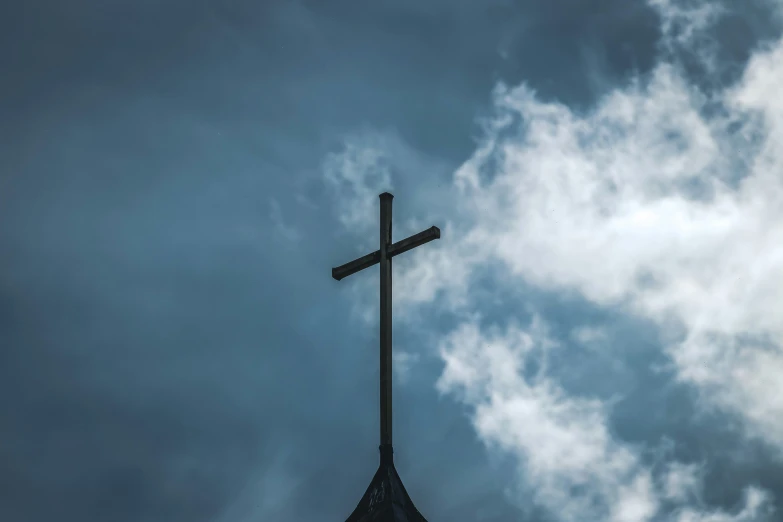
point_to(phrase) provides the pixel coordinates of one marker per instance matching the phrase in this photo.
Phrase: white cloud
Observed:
(682, 22)
(568, 457)
(663, 199)
(649, 202)
(755, 507)
(603, 204)
(357, 174)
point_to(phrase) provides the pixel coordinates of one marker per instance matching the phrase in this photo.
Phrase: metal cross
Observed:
(384, 256)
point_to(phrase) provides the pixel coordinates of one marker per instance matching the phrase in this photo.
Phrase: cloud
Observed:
(649, 202)
(587, 335)
(568, 456)
(284, 229)
(357, 174)
(562, 441)
(403, 363)
(683, 22)
(665, 200)
(755, 507)
(682, 482)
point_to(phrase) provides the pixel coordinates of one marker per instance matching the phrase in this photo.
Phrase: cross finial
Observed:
(383, 256)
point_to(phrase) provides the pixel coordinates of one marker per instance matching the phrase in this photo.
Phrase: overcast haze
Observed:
(596, 336)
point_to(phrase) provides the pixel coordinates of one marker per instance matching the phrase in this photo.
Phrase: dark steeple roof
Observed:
(386, 499)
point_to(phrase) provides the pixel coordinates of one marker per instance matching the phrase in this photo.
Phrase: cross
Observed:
(383, 256)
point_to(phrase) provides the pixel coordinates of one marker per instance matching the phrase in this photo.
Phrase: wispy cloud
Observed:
(265, 495)
(567, 454)
(281, 226)
(357, 174)
(403, 364)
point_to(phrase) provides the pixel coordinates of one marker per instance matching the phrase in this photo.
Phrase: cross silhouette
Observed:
(386, 493)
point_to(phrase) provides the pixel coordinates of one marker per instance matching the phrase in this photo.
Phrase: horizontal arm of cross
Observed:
(356, 265)
(395, 249)
(415, 240)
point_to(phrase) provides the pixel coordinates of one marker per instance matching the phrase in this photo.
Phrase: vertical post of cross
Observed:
(386, 325)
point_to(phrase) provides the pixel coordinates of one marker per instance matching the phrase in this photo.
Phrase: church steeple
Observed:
(386, 500)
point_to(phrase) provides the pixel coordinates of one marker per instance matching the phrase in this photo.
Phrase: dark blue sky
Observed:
(178, 178)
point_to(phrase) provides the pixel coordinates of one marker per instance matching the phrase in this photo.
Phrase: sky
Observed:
(596, 336)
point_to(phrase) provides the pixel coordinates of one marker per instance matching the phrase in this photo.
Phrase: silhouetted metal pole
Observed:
(386, 322)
